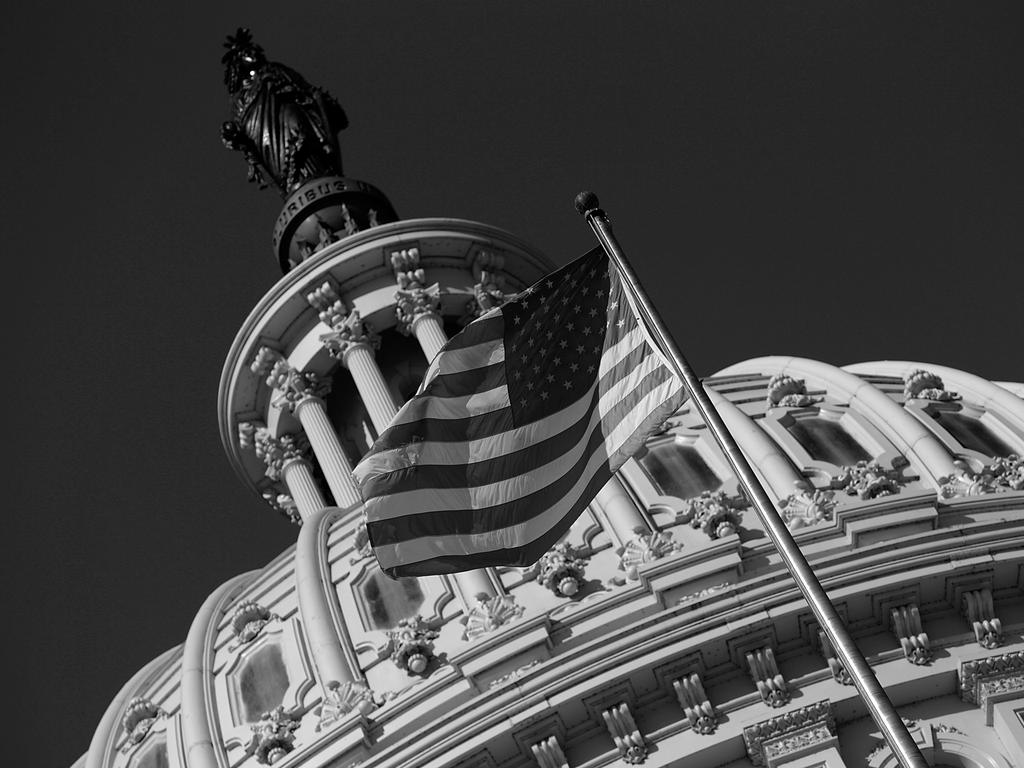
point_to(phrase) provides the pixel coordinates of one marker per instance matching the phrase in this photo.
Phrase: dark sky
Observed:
(836, 180)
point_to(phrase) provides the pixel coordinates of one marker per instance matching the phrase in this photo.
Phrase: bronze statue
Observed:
(286, 128)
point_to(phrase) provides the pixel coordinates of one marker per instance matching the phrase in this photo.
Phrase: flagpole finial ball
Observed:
(585, 202)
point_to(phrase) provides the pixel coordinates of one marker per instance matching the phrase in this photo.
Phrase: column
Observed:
(418, 305)
(621, 512)
(302, 394)
(353, 343)
(286, 460)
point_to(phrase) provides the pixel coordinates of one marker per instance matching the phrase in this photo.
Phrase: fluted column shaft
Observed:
(312, 414)
(429, 332)
(373, 390)
(621, 512)
(298, 477)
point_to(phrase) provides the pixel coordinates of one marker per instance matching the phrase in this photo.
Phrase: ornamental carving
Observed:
(835, 666)
(924, 385)
(340, 699)
(273, 736)
(786, 392)
(906, 625)
(714, 513)
(560, 569)
(624, 732)
(414, 298)
(868, 480)
(489, 290)
(328, 304)
(140, 715)
(515, 674)
(349, 331)
(248, 621)
(1003, 474)
(786, 732)
(975, 673)
(695, 703)
(548, 753)
(361, 542)
(812, 736)
(645, 547)
(411, 645)
(489, 613)
(274, 452)
(979, 610)
(770, 683)
(295, 386)
(805, 508)
(283, 503)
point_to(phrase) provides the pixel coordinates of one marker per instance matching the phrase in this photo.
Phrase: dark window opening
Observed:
(390, 600)
(825, 440)
(678, 470)
(263, 682)
(971, 433)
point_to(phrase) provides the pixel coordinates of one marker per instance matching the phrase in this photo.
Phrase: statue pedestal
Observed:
(323, 211)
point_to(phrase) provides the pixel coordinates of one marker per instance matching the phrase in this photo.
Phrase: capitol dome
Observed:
(663, 630)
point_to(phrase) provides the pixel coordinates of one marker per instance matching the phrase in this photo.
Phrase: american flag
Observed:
(519, 422)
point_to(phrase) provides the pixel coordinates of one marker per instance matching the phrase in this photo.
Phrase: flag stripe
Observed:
(498, 453)
(519, 498)
(453, 539)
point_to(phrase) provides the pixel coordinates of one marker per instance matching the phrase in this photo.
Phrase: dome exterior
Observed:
(663, 630)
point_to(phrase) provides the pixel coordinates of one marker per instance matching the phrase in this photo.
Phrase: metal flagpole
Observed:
(879, 707)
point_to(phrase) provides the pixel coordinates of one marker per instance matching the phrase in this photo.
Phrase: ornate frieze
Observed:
(645, 547)
(979, 672)
(1003, 474)
(414, 298)
(349, 331)
(786, 392)
(714, 513)
(273, 736)
(340, 699)
(766, 676)
(515, 674)
(789, 733)
(138, 719)
(868, 480)
(489, 613)
(807, 507)
(275, 452)
(560, 569)
(548, 753)
(978, 609)
(248, 621)
(924, 385)
(695, 703)
(906, 625)
(411, 645)
(625, 734)
(835, 666)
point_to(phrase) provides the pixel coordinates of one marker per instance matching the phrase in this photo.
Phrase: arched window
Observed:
(971, 433)
(388, 601)
(262, 682)
(826, 440)
(678, 470)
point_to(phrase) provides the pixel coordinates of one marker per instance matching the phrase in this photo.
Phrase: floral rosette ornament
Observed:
(715, 513)
(412, 645)
(248, 620)
(560, 569)
(139, 717)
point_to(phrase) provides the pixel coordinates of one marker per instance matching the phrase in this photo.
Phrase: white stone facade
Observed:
(681, 640)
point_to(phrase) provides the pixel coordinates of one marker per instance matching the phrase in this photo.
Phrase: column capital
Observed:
(295, 386)
(348, 333)
(489, 290)
(414, 299)
(275, 452)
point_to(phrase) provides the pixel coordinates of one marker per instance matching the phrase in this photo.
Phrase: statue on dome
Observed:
(286, 128)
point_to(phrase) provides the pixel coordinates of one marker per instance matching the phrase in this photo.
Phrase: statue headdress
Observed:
(241, 53)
